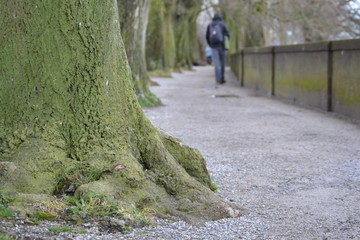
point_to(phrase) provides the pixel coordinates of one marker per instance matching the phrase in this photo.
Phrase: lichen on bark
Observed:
(69, 115)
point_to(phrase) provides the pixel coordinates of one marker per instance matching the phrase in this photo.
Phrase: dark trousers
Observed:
(219, 58)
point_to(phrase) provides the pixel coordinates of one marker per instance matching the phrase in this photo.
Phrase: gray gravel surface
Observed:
(295, 170)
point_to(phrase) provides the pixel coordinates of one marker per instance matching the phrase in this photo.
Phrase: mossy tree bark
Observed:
(133, 15)
(155, 38)
(185, 33)
(169, 41)
(69, 115)
(171, 35)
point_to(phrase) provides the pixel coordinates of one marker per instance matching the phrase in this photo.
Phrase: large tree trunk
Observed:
(69, 115)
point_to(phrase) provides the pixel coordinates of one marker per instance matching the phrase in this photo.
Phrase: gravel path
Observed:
(296, 171)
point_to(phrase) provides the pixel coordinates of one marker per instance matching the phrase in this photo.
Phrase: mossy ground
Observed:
(75, 211)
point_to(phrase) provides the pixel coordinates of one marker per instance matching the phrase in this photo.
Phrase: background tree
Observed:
(70, 122)
(309, 20)
(274, 22)
(172, 35)
(187, 46)
(245, 20)
(133, 15)
(160, 38)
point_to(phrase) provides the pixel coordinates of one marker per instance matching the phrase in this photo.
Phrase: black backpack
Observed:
(216, 34)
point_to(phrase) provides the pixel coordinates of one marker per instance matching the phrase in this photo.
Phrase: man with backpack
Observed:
(215, 37)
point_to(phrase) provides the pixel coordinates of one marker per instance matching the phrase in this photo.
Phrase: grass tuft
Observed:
(5, 212)
(91, 205)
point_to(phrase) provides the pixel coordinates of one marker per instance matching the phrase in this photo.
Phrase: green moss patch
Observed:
(60, 228)
(190, 159)
(148, 99)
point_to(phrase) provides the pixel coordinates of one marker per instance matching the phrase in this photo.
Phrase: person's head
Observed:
(217, 17)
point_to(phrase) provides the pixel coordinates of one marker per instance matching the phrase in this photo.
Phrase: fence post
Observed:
(330, 70)
(273, 71)
(242, 68)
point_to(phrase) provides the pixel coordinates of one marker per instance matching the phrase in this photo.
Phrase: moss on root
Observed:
(190, 159)
(148, 99)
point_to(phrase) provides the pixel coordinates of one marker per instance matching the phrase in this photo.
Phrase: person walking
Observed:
(215, 37)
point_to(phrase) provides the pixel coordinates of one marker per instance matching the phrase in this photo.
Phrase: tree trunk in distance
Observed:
(133, 16)
(69, 116)
(155, 39)
(186, 43)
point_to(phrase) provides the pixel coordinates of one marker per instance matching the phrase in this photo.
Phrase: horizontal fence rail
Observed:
(323, 75)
